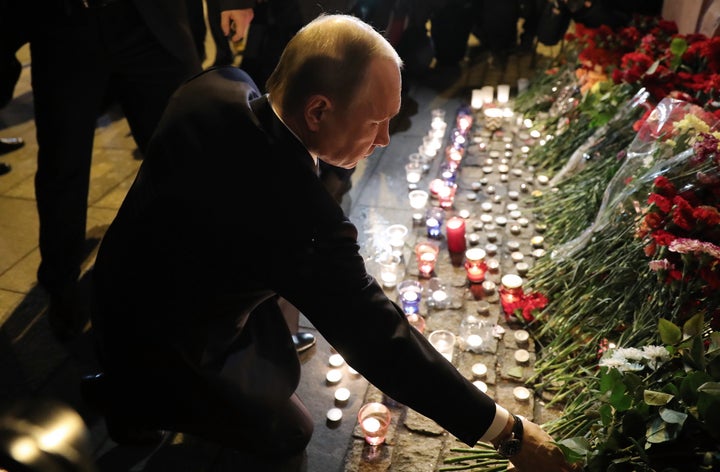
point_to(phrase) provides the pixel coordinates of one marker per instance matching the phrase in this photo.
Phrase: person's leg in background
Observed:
(303, 340)
(196, 16)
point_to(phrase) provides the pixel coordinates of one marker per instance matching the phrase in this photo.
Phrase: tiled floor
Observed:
(33, 364)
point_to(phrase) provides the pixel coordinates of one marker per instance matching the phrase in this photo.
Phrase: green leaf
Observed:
(656, 398)
(516, 372)
(694, 326)
(712, 388)
(678, 46)
(651, 70)
(673, 416)
(606, 415)
(690, 385)
(575, 449)
(669, 332)
(618, 398)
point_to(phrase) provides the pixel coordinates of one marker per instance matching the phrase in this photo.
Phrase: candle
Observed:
(342, 394)
(444, 342)
(446, 194)
(503, 93)
(482, 386)
(413, 172)
(486, 206)
(537, 241)
(476, 100)
(334, 414)
(374, 419)
(522, 268)
(426, 255)
(517, 256)
(521, 394)
(410, 293)
(521, 337)
(489, 287)
(474, 341)
(475, 264)
(455, 228)
(479, 369)
(511, 288)
(522, 356)
(416, 321)
(333, 376)
(336, 360)
(434, 221)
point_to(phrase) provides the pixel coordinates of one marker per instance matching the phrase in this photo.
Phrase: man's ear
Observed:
(315, 109)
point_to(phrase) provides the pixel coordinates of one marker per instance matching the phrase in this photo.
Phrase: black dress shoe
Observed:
(303, 341)
(10, 144)
(97, 392)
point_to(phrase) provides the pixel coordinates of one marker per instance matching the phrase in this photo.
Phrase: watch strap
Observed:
(511, 446)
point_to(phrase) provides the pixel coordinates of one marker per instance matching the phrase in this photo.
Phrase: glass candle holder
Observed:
(446, 194)
(391, 269)
(511, 291)
(434, 220)
(455, 229)
(374, 420)
(413, 172)
(418, 200)
(426, 253)
(396, 235)
(444, 342)
(475, 265)
(410, 292)
(493, 118)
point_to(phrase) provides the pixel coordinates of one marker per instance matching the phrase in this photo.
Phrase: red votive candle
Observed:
(511, 290)
(475, 265)
(455, 228)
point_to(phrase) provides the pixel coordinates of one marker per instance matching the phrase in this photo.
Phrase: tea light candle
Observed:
(522, 221)
(493, 265)
(522, 356)
(515, 229)
(489, 287)
(334, 414)
(521, 337)
(478, 225)
(455, 228)
(483, 308)
(522, 268)
(524, 188)
(490, 189)
(515, 214)
(492, 236)
(473, 341)
(333, 376)
(496, 199)
(512, 207)
(486, 218)
(513, 195)
(342, 394)
(426, 254)
(336, 360)
(500, 220)
(464, 213)
(513, 245)
(486, 206)
(439, 296)
(471, 196)
(503, 178)
(517, 172)
(521, 394)
(473, 239)
(537, 241)
(487, 169)
(503, 169)
(517, 256)
(494, 154)
(479, 369)
(540, 227)
(476, 185)
(491, 249)
(543, 179)
(538, 253)
(482, 386)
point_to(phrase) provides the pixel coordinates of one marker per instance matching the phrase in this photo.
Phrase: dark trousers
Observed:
(78, 59)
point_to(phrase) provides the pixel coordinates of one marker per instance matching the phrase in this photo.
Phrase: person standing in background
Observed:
(83, 51)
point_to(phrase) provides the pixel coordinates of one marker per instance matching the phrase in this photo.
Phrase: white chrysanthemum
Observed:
(613, 363)
(656, 356)
(629, 354)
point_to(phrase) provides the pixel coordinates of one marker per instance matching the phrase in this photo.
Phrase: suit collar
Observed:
(278, 132)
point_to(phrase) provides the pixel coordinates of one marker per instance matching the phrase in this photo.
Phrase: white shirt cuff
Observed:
(496, 427)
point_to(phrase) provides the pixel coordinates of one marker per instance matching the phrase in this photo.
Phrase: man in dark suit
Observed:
(186, 279)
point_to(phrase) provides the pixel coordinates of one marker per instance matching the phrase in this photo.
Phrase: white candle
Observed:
(439, 295)
(334, 414)
(522, 356)
(482, 386)
(521, 393)
(371, 425)
(479, 369)
(336, 360)
(333, 376)
(474, 341)
(342, 394)
(503, 93)
(521, 336)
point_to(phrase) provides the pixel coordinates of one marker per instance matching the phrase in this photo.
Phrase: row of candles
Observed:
(374, 418)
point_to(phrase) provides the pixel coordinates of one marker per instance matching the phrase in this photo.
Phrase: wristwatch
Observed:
(511, 446)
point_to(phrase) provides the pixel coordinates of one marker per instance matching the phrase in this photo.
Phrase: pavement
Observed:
(34, 366)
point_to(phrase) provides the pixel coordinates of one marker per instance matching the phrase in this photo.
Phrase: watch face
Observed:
(510, 447)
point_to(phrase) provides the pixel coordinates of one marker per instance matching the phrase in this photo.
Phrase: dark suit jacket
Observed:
(226, 212)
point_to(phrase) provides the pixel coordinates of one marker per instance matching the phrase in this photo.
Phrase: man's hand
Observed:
(538, 452)
(236, 22)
